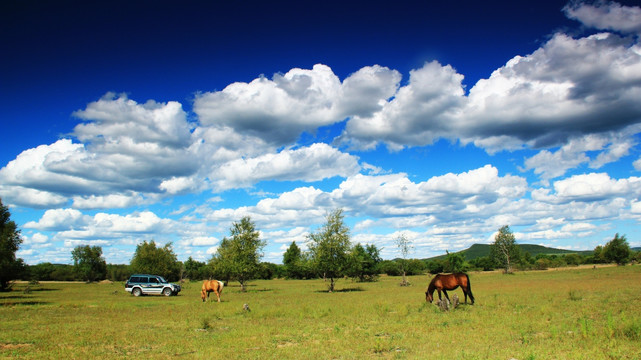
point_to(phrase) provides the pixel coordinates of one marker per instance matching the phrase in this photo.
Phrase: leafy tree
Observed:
(617, 250)
(390, 267)
(454, 263)
(195, 270)
(88, 263)
(10, 240)
(573, 259)
(330, 247)
(405, 246)
(597, 256)
(118, 272)
(363, 262)
(415, 267)
(504, 250)
(150, 259)
(268, 271)
(42, 271)
(239, 257)
(435, 266)
(484, 263)
(293, 261)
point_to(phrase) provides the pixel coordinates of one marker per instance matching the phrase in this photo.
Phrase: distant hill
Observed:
(480, 250)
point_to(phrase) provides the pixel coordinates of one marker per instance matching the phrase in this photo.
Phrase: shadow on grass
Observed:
(14, 297)
(342, 290)
(44, 289)
(24, 303)
(259, 290)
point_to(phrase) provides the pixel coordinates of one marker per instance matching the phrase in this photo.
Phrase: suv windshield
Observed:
(162, 280)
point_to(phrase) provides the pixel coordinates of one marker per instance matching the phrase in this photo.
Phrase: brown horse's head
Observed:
(428, 296)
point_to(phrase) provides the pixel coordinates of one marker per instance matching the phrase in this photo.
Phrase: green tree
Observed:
(195, 270)
(88, 263)
(363, 263)
(454, 263)
(150, 259)
(292, 260)
(239, 256)
(330, 247)
(504, 250)
(617, 250)
(118, 272)
(405, 247)
(10, 240)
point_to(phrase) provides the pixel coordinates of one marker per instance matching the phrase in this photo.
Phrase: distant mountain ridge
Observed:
(480, 250)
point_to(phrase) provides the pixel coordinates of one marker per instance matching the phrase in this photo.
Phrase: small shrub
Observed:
(205, 324)
(632, 331)
(575, 295)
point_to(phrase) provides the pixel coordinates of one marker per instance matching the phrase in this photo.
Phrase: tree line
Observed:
(330, 255)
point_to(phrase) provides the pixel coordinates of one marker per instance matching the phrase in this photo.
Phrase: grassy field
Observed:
(570, 314)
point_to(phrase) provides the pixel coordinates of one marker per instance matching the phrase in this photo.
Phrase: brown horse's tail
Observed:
(469, 288)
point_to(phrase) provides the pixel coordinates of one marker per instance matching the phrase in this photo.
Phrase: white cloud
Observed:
(115, 123)
(418, 114)
(313, 163)
(279, 110)
(129, 149)
(59, 219)
(564, 89)
(200, 241)
(606, 16)
(596, 186)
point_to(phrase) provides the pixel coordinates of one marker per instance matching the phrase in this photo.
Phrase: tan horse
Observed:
(209, 286)
(444, 282)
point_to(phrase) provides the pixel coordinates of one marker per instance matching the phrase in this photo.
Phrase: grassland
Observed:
(571, 314)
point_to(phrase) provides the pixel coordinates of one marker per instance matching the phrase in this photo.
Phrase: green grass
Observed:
(570, 314)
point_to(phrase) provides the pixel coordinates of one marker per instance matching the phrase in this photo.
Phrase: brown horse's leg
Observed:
(447, 297)
(439, 294)
(218, 295)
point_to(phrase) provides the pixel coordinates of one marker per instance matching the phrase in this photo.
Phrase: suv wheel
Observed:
(136, 292)
(167, 292)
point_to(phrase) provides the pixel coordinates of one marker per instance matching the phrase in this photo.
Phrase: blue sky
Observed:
(131, 121)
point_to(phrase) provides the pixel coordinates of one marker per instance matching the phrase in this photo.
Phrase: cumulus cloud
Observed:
(313, 163)
(279, 110)
(447, 197)
(59, 219)
(128, 150)
(418, 114)
(566, 89)
(590, 188)
(606, 16)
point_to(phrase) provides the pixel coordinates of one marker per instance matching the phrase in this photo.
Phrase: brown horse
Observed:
(209, 286)
(444, 282)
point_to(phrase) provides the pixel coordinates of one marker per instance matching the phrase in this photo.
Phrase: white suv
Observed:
(142, 284)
